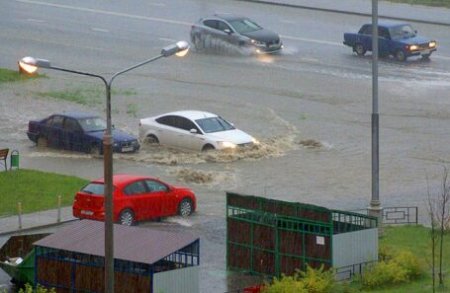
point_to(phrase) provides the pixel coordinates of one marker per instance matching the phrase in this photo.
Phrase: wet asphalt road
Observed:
(310, 106)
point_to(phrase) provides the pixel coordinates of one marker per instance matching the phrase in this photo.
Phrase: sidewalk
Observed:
(404, 12)
(10, 225)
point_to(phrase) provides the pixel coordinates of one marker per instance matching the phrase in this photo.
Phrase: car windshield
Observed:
(402, 31)
(92, 124)
(245, 25)
(214, 124)
(94, 188)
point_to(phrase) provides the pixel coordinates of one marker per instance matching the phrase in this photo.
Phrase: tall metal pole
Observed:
(375, 207)
(30, 65)
(108, 177)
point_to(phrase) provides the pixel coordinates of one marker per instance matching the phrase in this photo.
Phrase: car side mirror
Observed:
(227, 30)
(193, 131)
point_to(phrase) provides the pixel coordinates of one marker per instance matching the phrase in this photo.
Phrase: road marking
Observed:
(35, 20)
(311, 40)
(105, 12)
(176, 22)
(97, 29)
(167, 40)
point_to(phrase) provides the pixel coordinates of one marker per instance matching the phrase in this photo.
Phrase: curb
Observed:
(345, 12)
(19, 231)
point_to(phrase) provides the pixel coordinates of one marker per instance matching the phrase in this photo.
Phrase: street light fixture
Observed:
(30, 65)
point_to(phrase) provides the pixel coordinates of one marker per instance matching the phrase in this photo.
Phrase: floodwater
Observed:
(313, 123)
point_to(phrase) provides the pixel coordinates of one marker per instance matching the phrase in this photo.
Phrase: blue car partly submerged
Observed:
(396, 39)
(78, 131)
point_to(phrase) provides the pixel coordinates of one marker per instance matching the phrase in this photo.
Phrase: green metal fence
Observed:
(273, 237)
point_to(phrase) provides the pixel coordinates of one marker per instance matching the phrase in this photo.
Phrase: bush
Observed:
(392, 269)
(311, 281)
(39, 289)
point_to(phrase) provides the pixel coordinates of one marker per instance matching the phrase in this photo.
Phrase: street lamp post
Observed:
(30, 65)
(375, 208)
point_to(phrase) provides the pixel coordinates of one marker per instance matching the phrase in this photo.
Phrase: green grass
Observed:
(417, 240)
(36, 190)
(89, 96)
(7, 75)
(436, 3)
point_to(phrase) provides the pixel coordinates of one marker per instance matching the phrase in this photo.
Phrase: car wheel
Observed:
(400, 55)
(359, 49)
(185, 208)
(42, 142)
(198, 44)
(207, 148)
(126, 217)
(151, 139)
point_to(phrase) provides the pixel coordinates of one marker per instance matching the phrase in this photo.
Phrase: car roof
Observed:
(122, 179)
(388, 23)
(191, 114)
(76, 114)
(225, 16)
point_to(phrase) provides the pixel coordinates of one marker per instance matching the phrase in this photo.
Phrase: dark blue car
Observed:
(399, 40)
(78, 131)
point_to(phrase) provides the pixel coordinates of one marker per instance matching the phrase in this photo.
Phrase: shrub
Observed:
(286, 284)
(392, 269)
(39, 289)
(311, 281)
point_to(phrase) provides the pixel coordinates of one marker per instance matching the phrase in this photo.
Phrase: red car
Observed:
(135, 198)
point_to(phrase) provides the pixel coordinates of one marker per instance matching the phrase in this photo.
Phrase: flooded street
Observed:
(310, 107)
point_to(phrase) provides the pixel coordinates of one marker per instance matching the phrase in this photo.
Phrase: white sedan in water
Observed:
(196, 130)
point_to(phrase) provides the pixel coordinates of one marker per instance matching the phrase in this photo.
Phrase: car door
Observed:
(53, 129)
(162, 193)
(192, 138)
(167, 130)
(384, 40)
(209, 31)
(141, 200)
(72, 135)
(226, 33)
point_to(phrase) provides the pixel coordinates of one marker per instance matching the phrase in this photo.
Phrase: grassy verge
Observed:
(7, 75)
(36, 190)
(88, 96)
(436, 3)
(417, 240)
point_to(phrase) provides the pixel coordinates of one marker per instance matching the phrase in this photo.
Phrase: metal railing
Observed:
(396, 215)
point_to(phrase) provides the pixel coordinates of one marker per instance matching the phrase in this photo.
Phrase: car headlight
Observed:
(255, 141)
(432, 44)
(226, 145)
(413, 47)
(257, 43)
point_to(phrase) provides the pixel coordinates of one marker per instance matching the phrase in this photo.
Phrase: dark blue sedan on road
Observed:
(78, 131)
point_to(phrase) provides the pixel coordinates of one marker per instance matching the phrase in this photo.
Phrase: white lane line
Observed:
(105, 12)
(177, 22)
(311, 40)
(157, 4)
(97, 29)
(35, 20)
(167, 40)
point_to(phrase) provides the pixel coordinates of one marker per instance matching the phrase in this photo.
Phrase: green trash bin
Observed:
(14, 160)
